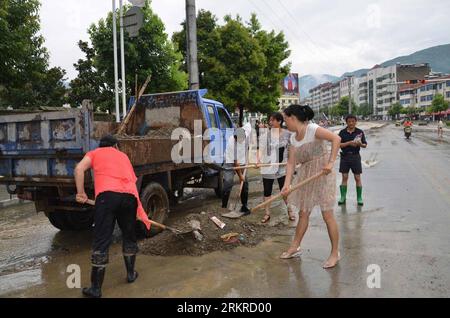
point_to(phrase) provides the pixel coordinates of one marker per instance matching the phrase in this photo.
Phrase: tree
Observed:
(395, 110)
(150, 53)
(365, 110)
(239, 64)
(26, 81)
(341, 108)
(439, 104)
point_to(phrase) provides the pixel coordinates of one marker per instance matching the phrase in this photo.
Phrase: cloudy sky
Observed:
(325, 36)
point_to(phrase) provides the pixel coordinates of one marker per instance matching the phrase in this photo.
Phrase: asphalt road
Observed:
(402, 230)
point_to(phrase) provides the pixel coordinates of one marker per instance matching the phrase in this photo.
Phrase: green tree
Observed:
(240, 64)
(439, 103)
(150, 53)
(395, 110)
(365, 110)
(26, 81)
(341, 108)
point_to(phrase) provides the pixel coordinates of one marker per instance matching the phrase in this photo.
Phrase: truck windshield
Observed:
(224, 120)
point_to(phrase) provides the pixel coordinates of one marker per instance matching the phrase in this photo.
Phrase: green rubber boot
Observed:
(343, 189)
(359, 195)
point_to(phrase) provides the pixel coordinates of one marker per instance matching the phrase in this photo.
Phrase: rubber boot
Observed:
(343, 189)
(244, 199)
(97, 276)
(359, 195)
(129, 264)
(225, 197)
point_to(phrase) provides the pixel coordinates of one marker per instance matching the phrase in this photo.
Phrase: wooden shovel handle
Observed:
(298, 185)
(162, 226)
(253, 165)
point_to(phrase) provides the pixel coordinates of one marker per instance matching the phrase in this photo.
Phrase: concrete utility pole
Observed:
(122, 56)
(191, 40)
(116, 76)
(349, 78)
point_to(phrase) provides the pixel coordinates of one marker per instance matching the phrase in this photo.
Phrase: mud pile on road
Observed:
(167, 243)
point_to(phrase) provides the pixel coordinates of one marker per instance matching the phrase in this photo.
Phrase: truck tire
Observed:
(155, 202)
(71, 221)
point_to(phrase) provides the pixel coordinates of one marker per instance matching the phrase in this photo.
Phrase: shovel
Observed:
(162, 226)
(297, 186)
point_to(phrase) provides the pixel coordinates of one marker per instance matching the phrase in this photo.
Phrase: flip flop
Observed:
(286, 255)
(328, 267)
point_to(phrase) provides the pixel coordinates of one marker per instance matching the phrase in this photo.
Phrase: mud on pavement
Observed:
(242, 233)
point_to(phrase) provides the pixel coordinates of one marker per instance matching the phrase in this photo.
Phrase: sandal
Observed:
(287, 255)
(327, 265)
(265, 218)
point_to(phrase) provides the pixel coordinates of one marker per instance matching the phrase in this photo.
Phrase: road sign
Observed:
(133, 21)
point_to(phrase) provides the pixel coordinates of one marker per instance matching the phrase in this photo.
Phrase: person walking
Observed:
(352, 140)
(440, 128)
(116, 199)
(274, 149)
(308, 147)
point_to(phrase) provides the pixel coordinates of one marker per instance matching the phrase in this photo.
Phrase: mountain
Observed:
(437, 56)
(309, 81)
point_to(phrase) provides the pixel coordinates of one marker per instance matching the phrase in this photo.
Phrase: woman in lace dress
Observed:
(309, 149)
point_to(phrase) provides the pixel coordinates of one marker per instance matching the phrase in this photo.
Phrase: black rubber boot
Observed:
(225, 197)
(97, 276)
(129, 264)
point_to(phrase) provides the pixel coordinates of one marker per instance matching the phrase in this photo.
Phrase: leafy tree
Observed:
(240, 64)
(439, 103)
(26, 81)
(341, 108)
(150, 53)
(365, 110)
(395, 110)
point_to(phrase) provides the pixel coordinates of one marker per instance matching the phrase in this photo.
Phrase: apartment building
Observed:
(379, 89)
(325, 96)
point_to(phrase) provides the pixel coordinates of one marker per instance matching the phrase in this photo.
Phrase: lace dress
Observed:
(313, 155)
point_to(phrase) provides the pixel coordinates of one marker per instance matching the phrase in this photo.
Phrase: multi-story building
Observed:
(379, 87)
(349, 86)
(421, 95)
(325, 95)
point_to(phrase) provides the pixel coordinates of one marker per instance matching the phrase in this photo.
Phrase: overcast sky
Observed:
(325, 36)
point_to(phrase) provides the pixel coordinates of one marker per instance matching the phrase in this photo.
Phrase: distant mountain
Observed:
(437, 56)
(309, 81)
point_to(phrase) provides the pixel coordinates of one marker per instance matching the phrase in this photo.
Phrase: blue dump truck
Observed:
(39, 151)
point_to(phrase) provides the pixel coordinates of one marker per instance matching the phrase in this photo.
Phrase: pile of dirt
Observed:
(168, 244)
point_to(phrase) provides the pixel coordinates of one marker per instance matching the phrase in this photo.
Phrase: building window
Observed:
(447, 94)
(448, 83)
(426, 98)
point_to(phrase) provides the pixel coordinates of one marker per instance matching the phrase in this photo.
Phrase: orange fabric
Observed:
(407, 124)
(113, 172)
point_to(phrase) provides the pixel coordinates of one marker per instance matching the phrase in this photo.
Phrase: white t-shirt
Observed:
(241, 147)
(310, 135)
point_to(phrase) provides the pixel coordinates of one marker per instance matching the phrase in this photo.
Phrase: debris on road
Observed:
(168, 244)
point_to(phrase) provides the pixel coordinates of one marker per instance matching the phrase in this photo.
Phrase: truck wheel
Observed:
(71, 221)
(156, 203)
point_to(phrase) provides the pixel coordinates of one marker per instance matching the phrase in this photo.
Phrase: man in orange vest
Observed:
(116, 198)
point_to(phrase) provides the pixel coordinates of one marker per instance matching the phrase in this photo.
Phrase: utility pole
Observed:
(349, 78)
(122, 56)
(191, 40)
(116, 76)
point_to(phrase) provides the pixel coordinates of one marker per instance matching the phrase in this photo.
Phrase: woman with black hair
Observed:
(273, 149)
(308, 148)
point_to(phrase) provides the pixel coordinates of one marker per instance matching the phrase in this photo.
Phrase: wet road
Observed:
(403, 228)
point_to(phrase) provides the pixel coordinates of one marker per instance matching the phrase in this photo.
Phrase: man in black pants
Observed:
(116, 199)
(352, 140)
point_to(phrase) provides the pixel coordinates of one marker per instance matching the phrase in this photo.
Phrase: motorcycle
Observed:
(407, 131)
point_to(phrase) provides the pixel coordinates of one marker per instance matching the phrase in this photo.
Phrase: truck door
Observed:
(215, 153)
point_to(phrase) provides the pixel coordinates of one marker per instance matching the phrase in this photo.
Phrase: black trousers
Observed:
(268, 185)
(109, 208)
